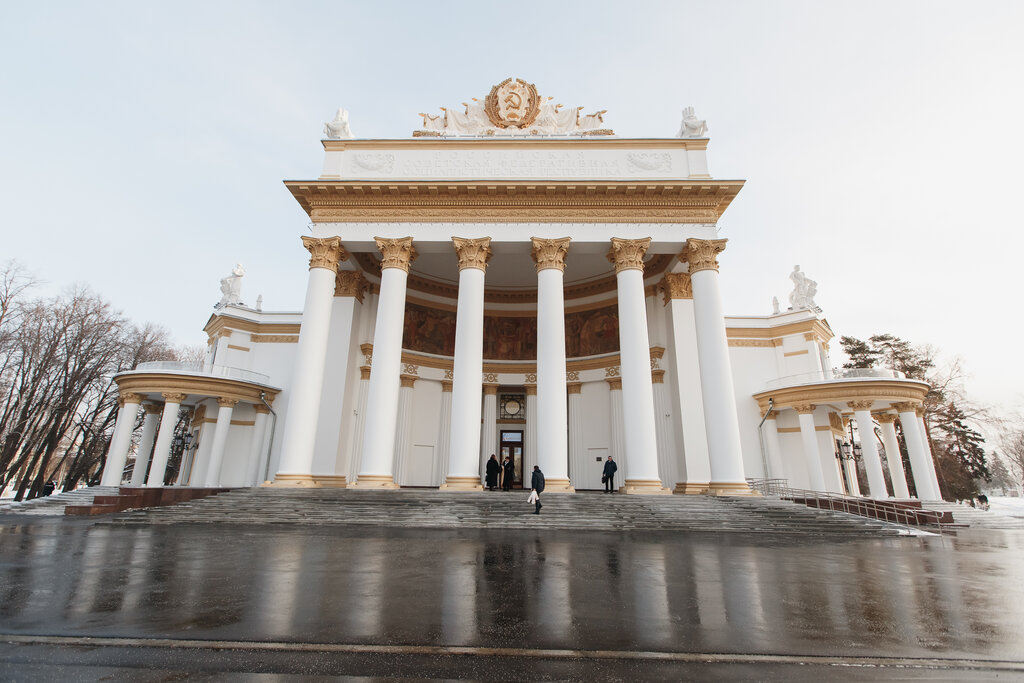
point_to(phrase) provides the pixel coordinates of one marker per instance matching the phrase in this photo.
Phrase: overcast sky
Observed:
(143, 144)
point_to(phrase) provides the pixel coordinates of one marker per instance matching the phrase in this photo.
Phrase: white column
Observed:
(149, 425)
(618, 434)
(771, 438)
(667, 466)
(577, 453)
(257, 446)
(117, 455)
(892, 455)
(869, 448)
(489, 432)
(463, 462)
(720, 419)
(552, 406)
(641, 461)
(530, 434)
(444, 433)
(916, 450)
(403, 428)
(376, 468)
(301, 417)
(164, 436)
(220, 439)
(810, 442)
(359, 424)
(926, 442)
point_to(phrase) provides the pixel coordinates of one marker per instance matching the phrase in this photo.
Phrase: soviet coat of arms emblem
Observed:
(512, 103)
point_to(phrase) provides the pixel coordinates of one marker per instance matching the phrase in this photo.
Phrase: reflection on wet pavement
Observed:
(960, 596)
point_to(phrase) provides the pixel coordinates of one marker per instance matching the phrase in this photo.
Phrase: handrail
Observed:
(817, 376)
(200, 369)
(863, 507)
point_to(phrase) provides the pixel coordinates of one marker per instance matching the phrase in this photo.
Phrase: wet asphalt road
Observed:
(637, 605)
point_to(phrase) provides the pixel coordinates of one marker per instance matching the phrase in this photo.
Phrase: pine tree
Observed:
(861, 354)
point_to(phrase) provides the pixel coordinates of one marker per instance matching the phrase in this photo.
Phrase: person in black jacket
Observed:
(608, 476)
(508, 474)
(493, 468)
(537, 484)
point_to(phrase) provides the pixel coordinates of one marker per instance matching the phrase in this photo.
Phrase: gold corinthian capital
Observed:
(676, 286)
(324, 252)
(550, 253)
(628, 254)
(350, 283)
(396, 252)
(701, 254)
(473, 253)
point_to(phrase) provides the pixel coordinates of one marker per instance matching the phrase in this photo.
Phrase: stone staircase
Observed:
(54, 505)
(415, 508)
(979, 519)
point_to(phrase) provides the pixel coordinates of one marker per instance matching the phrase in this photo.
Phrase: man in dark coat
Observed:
(493, 468)
(508, 473)
(610, 468)
(537, 484)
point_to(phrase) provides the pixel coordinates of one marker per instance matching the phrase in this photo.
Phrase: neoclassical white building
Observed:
(517, 280)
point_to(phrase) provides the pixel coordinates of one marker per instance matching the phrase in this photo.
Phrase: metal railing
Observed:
(826, 376)
(884, 511)
(199, 369)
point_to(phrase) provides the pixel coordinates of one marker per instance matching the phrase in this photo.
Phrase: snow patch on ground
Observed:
(1011, 507)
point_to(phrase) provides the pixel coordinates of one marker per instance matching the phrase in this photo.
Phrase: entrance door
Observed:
(512, 446)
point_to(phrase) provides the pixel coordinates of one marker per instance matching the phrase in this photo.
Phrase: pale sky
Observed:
(143, 145)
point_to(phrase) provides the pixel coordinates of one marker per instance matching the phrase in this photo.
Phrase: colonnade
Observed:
(911, 418)
(375, 443)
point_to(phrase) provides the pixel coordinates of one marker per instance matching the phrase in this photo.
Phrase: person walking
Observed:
(608, 476)
(537, 484)
(508, 474)
(493, 468)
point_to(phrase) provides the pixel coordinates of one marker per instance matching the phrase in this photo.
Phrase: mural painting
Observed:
(587, 333)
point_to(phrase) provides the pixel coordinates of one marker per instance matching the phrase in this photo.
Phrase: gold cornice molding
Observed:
(590, 201)
(676, 286)
(396, 252)
(182, 385)
(324, 252)
(219, 325)
(844, 391)
(275, 339)
(815, 326)
(513, 367)
(350, 283)
(627, 254)
(473, 253)
(340, 145)
(549, 253)
(766, 343)
(702, 254)
(805, 408)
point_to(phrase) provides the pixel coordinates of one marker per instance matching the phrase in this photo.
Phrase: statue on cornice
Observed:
(338, 128)
(691, 126)
(513, 108)
(804, 289)
(231, 288)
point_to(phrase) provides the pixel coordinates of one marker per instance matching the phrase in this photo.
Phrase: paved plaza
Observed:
(81, 600)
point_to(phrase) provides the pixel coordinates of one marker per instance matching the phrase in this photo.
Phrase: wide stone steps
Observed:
(54, 505)
(975, 518)
(500, 510)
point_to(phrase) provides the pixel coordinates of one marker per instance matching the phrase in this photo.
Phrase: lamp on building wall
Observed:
(854, 452)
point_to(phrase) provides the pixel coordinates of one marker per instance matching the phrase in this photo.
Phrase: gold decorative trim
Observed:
(759, 343)
(374, 481)
(462, 484)
(702, 254)
(835, 421)
(274, 339)
(153, 408)
(473, 253)
(549, 253)
(809, 336)
(222, 325)
(571, 388)
(130, 397)
(509, 421)
(801, 352)
(227, 402)
(885, 418)
(446, 386)
(646, 487)
(657, 376)
(818, 327)
(793, 430)
(408, 381)
(919, 411)
(324, 252)
(351, 283)
(860, 405)
(614, 383)
(730, 488)
(243, 423)
(841, 391)
(364, 372)
(396, 252)
(676, 286)
(261, 409)
(239, 348)
(627, 254)
(173, 397)
(512, 201)
(531, 389)
(168, 384)
(490, 389)
(512, 368)
(805, 408)
(493, 108)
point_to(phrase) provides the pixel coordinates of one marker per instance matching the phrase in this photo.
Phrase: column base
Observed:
(691, 488)
(319, 481)
(648, 487)
(556, 486)
(730, 488)
(374, 481)
(461, 484)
